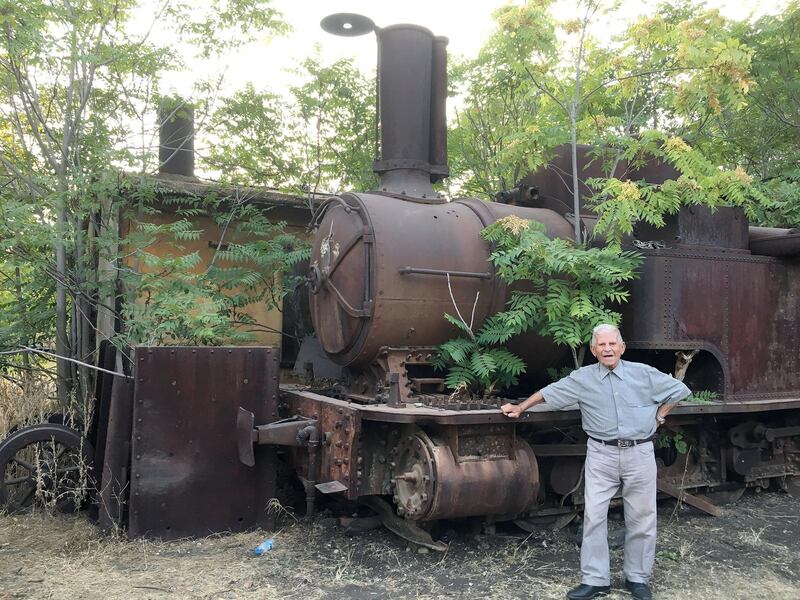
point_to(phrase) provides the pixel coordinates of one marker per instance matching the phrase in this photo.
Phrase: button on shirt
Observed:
(618, 404)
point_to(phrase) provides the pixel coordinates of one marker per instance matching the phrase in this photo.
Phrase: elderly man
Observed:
(622, 404)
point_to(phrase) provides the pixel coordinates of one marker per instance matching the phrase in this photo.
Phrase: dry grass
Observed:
(60, 557)
(34, 401)
(279, 511)
(751, 536)
(751, 552)
(21, 406)
(66, 557)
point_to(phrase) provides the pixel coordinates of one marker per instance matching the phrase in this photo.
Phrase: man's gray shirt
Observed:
(618, 404)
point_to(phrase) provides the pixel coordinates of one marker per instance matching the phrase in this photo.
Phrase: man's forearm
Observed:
(665, 409)
(532, 400)
(515, 410)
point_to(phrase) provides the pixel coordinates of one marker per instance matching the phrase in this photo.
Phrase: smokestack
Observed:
(412, 99)
(405, 75)
(438, 147)
(176, 138)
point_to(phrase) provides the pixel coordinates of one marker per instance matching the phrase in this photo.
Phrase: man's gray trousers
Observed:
(608, 467)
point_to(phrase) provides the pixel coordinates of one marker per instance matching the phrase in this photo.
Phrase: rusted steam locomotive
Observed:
(386, 266)
(186, 440)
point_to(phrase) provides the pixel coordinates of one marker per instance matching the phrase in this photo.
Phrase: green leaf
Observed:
(483, 365)
(458, 323)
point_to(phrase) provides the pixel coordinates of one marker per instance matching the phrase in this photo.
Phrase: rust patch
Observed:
(340, 425)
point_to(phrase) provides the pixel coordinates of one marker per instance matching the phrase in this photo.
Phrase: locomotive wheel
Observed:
(46, 465)
(413, 475)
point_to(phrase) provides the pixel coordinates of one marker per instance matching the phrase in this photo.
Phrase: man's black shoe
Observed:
(640, 591)
(584, 591)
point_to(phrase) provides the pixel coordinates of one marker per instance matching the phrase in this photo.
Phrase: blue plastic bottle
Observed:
(264, 547)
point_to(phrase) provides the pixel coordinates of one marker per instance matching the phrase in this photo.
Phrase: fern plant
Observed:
(567, 290)
(702, 397)
(476, 365)
(669, 438)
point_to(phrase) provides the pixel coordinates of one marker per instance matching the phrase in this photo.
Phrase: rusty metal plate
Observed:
(696, 299)
(98, 430)
(765, 329)
(743, 309)
(114, 467)
(186, 477)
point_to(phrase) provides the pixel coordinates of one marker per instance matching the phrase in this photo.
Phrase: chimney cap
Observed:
(347, 24)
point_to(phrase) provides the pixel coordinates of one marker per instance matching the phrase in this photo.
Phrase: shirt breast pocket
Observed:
(638, 402)
(636, 396)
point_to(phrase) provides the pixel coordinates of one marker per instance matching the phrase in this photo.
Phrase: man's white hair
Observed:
(603, 328)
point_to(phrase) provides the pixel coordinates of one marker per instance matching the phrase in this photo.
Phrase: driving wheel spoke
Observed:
(28, 495)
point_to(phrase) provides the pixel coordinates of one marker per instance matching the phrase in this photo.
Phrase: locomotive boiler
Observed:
(717, 302)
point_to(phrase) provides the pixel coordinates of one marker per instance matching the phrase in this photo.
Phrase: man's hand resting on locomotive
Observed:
(515, 410)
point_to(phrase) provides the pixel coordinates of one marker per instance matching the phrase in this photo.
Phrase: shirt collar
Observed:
(619, 370)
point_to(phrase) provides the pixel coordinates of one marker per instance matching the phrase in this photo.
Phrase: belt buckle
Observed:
(625, 443)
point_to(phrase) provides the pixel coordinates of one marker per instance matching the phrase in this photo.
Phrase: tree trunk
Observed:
(576, 192)
(82, 311)
(107, 272)
(26, 361)
(64, 380)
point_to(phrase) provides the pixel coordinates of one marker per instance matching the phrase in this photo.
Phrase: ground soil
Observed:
(749, 553)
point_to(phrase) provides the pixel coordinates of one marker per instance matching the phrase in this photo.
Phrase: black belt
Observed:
(623, 443)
